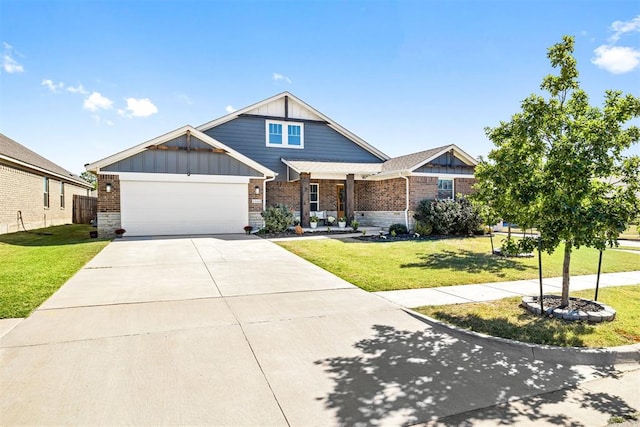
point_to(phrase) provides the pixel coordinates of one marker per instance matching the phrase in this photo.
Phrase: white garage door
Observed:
(173, 206)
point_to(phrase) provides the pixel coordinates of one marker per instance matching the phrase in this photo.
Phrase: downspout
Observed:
(264, 192)
(406, 210)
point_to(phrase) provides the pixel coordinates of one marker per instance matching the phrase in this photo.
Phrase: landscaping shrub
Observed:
(398, 229)
(423, 229)
(277, 218)
(448, 216)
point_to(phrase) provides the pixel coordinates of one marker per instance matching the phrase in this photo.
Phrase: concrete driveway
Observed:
(235, 330)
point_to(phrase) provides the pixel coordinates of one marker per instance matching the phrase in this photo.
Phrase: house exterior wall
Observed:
(387, 195)
(247, 135)
(464, 185)
(108, 205)
(23, 190)
(183, 162)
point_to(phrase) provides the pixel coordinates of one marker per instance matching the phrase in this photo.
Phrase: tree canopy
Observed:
(559, 164)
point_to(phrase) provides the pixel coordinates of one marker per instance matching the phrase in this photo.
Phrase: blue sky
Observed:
(81, 80)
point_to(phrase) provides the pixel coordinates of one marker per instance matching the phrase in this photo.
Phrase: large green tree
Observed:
(560, 164)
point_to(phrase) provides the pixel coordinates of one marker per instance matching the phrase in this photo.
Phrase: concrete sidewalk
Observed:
(412, 298)
(234, 330)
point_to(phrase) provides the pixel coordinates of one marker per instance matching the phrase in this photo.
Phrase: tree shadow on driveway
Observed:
(469, 261)
(405, 377)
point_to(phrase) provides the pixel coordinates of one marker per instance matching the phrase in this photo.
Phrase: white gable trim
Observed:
(95, 166)
(335, 126)
(456, 150)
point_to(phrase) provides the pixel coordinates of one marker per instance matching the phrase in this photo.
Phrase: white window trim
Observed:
(285, 134)
(453, 186)
(317, 193)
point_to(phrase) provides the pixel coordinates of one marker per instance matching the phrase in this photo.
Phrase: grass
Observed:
(430, 263)
(34, 265)
(506, 319)
(631, 233)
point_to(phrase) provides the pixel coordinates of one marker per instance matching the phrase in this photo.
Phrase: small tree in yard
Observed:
(559, 164)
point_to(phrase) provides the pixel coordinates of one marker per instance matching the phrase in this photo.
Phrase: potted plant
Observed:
(330, 220)
(354, 225)
(313, 221)
(248, 229)
(119, 232)
(342, 222)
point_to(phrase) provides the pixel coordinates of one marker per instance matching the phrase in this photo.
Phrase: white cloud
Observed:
(96, 101)
(77, 89)
(621, 27)
(278, 76)
(184, 98)
(229, 109)
(140, 107)
(9, 64)
(53, 87)
(616, 59)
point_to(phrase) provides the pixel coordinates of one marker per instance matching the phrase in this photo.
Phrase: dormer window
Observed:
(285, 134)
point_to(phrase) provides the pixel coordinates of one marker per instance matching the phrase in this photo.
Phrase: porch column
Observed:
(305, 180)
(350, 198)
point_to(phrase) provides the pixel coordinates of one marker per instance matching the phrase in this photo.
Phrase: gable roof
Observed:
(403, 165)
(95, 166)
(311, 113)
(413, 161)
(18, 154)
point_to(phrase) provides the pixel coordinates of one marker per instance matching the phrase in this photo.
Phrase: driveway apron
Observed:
(234, 330)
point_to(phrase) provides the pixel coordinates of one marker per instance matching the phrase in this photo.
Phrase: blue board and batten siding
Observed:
(183, 162)
(446, 164)
(247, 135)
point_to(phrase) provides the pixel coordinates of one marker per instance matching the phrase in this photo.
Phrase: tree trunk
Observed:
(565, 274)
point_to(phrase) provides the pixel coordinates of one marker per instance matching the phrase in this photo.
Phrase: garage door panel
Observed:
(170, 208)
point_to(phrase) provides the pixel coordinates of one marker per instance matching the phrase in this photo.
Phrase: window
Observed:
(285, 134)
(275, 133)
(46, 192)
(62, 194)
(314, 201)
(445, 189)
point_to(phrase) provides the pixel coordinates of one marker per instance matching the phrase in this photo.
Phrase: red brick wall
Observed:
(420, 188)
(108, 202)
(388, 195)
(284, 192)
(251, 192)
(464, 185)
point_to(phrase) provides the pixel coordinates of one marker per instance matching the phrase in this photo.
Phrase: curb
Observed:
(547, 353)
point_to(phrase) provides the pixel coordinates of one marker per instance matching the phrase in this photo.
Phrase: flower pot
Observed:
(342, 224)
(313, 224)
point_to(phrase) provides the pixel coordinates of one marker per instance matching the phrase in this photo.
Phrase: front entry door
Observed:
(340, 198)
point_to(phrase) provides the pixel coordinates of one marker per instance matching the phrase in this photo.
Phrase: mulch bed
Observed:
(553, 301)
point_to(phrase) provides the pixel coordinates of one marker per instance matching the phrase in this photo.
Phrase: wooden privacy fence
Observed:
(85, 209)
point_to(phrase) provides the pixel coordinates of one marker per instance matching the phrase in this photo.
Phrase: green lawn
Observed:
(506, 319)
(631, 233)
(34, 265)
(375, 266)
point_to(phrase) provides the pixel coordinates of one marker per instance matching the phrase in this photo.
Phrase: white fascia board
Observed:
(95, 167)
(335, 126)
(237, 113)
(172, 177)
(44, 171)
(443, 175)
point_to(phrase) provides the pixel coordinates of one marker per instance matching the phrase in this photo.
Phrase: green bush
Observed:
(277, 218)
(449, 216)
(355, 224)
(423, 229)
(398, 229)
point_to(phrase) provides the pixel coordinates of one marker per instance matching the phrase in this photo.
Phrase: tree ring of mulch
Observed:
(579, 309)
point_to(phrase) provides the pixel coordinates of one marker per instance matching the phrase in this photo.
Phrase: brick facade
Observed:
(387, 195)
(22, 190)
(464, 185)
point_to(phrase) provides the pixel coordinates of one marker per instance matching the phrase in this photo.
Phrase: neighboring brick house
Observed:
(220, 176)
(34, 190)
